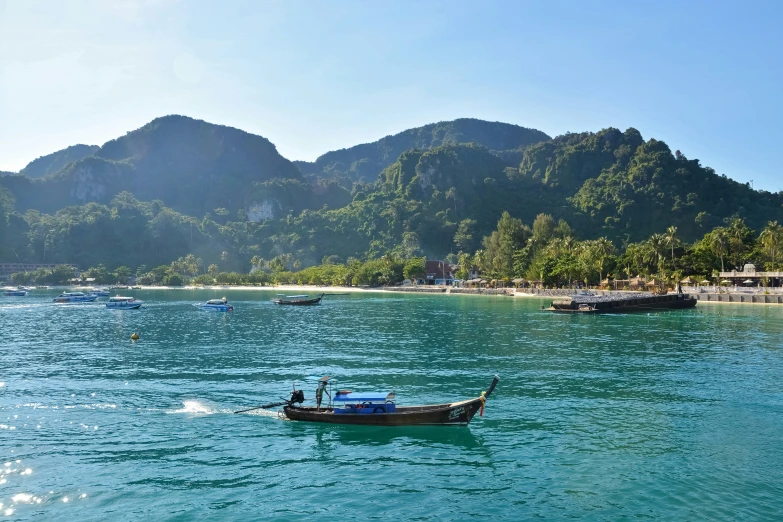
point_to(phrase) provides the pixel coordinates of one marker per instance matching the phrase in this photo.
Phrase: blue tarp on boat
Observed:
(364, 397)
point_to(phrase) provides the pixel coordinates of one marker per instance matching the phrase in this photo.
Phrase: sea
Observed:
(671, 415)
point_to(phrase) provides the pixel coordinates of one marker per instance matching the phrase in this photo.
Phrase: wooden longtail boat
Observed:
(297, 300)
(379, 409)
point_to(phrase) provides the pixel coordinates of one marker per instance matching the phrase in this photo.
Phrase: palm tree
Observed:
(657, 244)
(719, 244)
(672, 240)
(603, 249)
(771, 238)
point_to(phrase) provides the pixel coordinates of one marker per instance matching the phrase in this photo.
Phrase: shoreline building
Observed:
(749, 276)
(6, 269)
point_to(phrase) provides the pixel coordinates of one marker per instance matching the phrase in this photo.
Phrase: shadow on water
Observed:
(375, 436)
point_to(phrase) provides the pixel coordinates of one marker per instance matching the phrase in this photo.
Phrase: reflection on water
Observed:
(665, 416)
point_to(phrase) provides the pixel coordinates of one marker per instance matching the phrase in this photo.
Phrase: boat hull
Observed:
(131, 306)
(456, 413)
(217, 308)
(86, 299)
(15, 293)
(299, 302)
(649, 307)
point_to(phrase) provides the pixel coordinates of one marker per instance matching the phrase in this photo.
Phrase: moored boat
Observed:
(100, 292)
(14, 292)
(620, 303)
(380, 409)
(297, 300)
(74, 297)
(124, 303)
(218, 305)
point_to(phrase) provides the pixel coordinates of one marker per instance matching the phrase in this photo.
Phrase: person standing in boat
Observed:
(319, 394)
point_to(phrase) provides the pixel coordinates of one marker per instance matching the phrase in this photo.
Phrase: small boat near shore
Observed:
(380, 409)
(297, 300)
(99, 292)
(14, 292)
(217, 305)
(124, 303)
(74, 297)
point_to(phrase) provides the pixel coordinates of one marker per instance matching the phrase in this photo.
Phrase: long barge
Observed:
(620, 303)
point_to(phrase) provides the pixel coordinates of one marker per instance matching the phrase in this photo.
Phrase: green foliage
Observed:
(364, 162)
(59, 275)
(173, 280)
(414, 268)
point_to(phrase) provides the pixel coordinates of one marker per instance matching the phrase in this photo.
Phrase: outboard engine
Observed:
(297, 396)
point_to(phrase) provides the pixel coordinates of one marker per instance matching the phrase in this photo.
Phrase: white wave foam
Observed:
(199, 408)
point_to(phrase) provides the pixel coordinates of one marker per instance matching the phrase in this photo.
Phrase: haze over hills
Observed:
(191, 165)
(178, 185)
(364, 162)
(52, 163)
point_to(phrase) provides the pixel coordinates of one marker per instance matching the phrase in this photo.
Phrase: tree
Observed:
(213, 270)
(511, 235)
(740, 240)
(771, 239)
(463, 238)
(602, 248)
(414, 268)
(672, 240)
(719, 244)
(544, 226)
(122, 274)
(657, 251)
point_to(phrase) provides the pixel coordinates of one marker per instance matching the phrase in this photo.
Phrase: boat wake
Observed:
(198, 408)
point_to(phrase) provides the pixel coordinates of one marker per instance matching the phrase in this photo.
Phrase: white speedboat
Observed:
(100, 292)
(218, 305)
(14, 292)
(74, 297)
(124, 303)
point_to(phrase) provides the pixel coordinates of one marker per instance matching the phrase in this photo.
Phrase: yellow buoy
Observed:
(134, 336)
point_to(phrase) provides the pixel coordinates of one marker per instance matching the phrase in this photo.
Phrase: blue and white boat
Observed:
(74, 297)
(100, 292)
(124, 303)
(218, 305)
(14, 292)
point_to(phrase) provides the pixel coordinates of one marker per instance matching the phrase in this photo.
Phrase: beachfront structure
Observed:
(6, 269)
(750, 277)
(438, 272)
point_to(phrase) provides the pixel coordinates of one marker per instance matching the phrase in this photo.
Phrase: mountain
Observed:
(51, 163)
(609, 183)
(192, 165)
(180, 186)
(364, 162)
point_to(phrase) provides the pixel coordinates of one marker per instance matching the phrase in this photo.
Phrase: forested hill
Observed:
(220, 192)
(191, 165)
(609, 183)
(51, 163)
(364, 162)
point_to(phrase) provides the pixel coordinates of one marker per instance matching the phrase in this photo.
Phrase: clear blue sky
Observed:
(313, 76)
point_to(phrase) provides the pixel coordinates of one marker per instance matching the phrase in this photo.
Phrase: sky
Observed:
(706, 77)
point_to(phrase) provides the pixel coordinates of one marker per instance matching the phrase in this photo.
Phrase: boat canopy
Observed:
(217, 301)
(364, 397)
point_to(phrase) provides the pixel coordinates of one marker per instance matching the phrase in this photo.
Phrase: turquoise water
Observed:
(669, 416)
